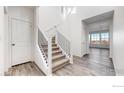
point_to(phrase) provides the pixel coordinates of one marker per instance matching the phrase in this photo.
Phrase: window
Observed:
(99, 39)
(105, 38)
(95, 38)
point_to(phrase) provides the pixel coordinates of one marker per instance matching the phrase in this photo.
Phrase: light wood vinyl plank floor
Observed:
(97, 63)
(26, 69)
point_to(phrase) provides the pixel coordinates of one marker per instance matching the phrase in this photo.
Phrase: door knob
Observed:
(13, 44)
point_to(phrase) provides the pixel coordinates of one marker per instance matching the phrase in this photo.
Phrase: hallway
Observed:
(95, 64)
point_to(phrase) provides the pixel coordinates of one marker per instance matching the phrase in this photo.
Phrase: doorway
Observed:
(98, 35)
(20, 41)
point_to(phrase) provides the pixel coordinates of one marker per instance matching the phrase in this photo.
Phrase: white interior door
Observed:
(21, 41)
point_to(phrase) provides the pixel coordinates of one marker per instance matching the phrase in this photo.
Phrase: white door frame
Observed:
(10, 38)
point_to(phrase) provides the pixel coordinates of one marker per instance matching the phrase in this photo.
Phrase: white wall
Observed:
(49, 16)
(19, 12)
(111, 38)
(118, 40)
(37, 56)
(2, 51)
(77, 30)
(64, 27)
(76, 34)
(73, 29)
(84, 39)
(7, 54)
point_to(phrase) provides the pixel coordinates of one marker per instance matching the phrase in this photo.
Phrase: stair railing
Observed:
(45, 45)
(64, 43)
(44, 40)
(51, 32)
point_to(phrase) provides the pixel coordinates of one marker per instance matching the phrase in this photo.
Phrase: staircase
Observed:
(54, 50)
(59, 60)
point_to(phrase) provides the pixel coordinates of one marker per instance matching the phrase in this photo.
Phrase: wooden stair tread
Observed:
(59, 60)
(59, 67)
(57, 56)
(53, 44)
(53, 48)
(56, 51)
(58, 63)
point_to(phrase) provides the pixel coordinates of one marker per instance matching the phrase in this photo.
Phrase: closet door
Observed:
(21, 41)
